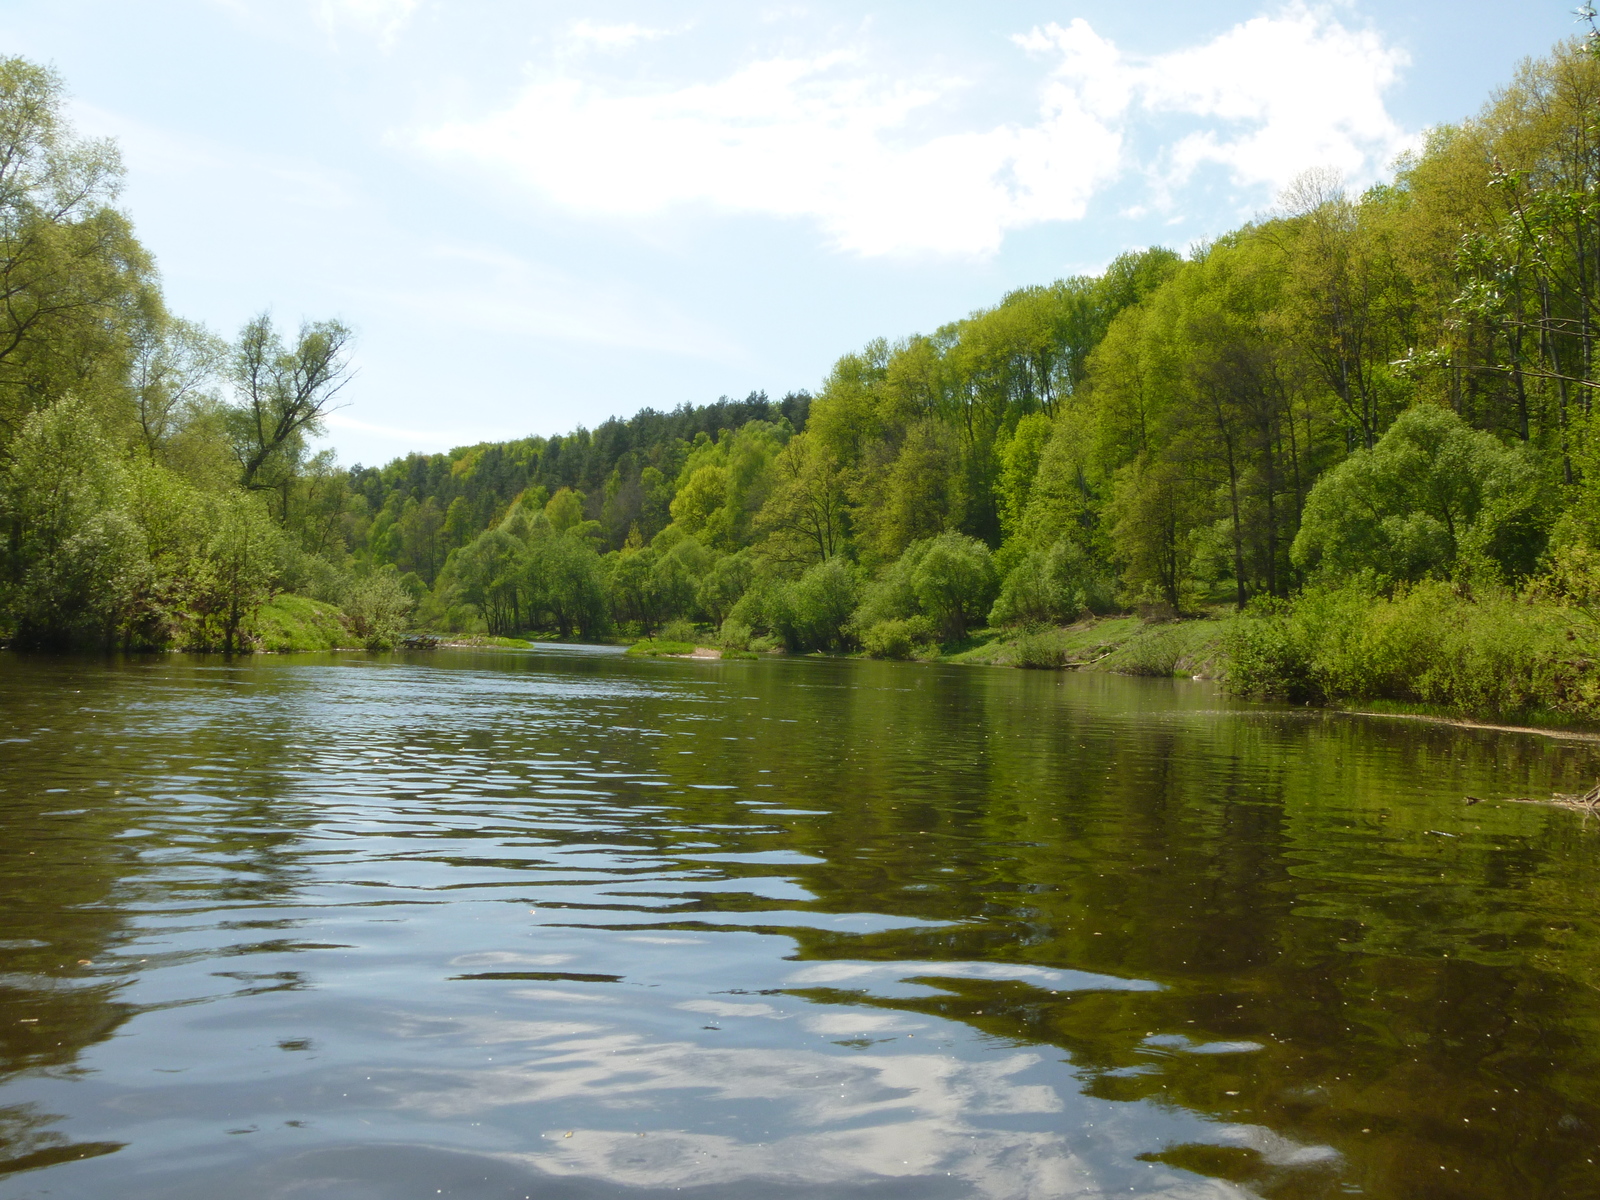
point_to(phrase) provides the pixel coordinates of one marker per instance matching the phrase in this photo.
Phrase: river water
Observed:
(558, 924)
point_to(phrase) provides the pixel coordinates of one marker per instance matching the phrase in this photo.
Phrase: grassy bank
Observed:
(289, 623)
(1126, 644)
(1430, 650)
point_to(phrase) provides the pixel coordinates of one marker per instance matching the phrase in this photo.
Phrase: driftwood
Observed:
(1584, 802)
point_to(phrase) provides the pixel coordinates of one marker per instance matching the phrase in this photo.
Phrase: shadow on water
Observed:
(559, 923)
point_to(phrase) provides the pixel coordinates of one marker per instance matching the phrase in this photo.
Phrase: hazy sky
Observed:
(538, 215)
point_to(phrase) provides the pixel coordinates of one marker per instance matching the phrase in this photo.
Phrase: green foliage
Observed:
(287, 624)
(238, 566)
(655, 646)
(954, 583)
(564, 577)
(1053, 586)
(678, 630)
(1166, 649)
(949, 580)
(813, 612)
(1430, 493)
(283, 395)
(75, 559)
(377, 607)
(1041, 650)
(899, 638)
(1495, 654)
(734, 635)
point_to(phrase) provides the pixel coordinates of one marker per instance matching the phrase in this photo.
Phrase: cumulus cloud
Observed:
(828, 139)
(1285, 93)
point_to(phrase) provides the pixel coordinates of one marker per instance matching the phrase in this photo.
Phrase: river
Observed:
(560, 924)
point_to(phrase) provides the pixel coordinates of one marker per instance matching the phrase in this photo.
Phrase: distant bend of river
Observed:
(558, 924)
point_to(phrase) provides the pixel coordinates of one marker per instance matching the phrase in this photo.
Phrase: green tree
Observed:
(954, 583)
(282, 396)
(74, 557)
(377, 607)
(75, 282)
(804, 517)
(1431, 491)
(813, 612)
(567, 580)
(240, 562)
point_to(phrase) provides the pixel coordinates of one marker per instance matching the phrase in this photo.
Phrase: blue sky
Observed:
(538, 215)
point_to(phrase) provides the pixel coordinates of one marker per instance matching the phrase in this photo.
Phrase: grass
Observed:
(1126, 645)
(488, 640)
(1187, 648)
(654, 646)
(297, 623)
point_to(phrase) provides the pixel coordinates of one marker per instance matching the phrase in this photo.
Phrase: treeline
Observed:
(1372, 390)
(1363, 396)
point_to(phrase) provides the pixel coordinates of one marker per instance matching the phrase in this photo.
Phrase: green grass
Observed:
(1126, 645)
(484, 639)
(292, 623)
(654, 646)
(1191, 647)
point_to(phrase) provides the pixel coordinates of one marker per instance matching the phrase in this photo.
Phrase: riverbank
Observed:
(1494, 662)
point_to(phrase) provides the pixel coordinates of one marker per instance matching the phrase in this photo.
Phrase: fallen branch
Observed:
(1584, 802)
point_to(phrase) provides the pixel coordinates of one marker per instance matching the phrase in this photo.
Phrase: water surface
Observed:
(560, 924)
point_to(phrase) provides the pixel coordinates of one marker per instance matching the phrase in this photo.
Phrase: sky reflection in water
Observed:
(562, 924)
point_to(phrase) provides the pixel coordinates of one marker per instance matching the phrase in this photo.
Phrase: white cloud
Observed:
(827, 139)
(1286, 93)
(382, 19)
(795, 137)
(611, 37)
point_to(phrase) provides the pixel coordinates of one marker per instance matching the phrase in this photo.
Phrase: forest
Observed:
(1356, 434)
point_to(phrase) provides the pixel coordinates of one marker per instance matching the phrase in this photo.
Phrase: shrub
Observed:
(1431, 491)
(734, 635)
(1052, 586)
(376, 609)
(660, 646)
(898, 638)
(954, 583)
(678, 630)
(1495, 654)
(813, 613)
(1041, 650)
(948, 579)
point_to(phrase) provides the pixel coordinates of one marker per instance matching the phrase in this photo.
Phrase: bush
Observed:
(1432, 491)
(660, 646)
(73, 559)
(1041, 650)
(813, 613)
(734, 635)
(678, 630)
(898, 638)
(948, 579)
(376, 608)
(1497, 654)
(954, 583)
(1052, 586)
